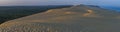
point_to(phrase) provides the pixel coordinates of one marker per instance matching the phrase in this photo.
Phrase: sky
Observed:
(58, 2)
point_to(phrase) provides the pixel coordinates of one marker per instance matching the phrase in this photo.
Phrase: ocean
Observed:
(111, 8)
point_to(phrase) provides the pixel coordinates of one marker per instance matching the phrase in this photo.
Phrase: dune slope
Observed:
(81, 18)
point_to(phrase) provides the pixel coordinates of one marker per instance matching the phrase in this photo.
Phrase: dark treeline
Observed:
(12, 12)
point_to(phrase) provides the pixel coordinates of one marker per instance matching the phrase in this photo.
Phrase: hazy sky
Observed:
(58, 2)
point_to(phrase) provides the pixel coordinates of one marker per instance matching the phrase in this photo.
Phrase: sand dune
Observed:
(81, 18)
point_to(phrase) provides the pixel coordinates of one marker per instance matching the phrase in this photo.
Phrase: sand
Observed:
(81, 18)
